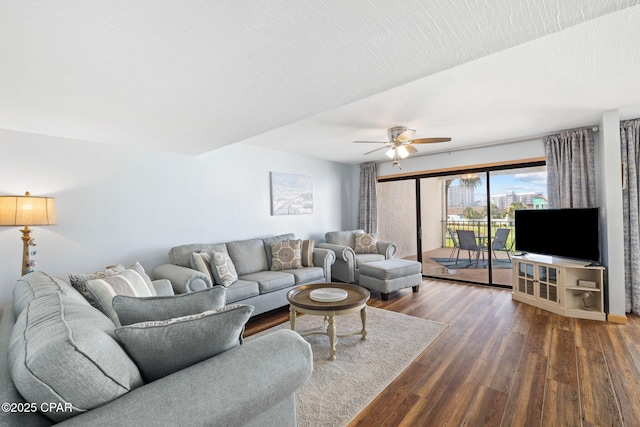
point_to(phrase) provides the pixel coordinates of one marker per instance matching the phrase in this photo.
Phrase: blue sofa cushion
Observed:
(163, 347)
(241, 289)
(390, 269)
(343, 238)
(181, 255)
(248, 256)
(306, 274)
(63, 351)
(365, 258)
(135, 310)
(36, 284)
(8, 391)
(269, 281)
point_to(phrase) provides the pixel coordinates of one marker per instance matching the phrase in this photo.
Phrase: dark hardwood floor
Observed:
(505, 363)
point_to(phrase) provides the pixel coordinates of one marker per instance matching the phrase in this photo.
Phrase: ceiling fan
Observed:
(400, 144)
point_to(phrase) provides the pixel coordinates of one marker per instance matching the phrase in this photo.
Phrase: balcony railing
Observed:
(479, 227)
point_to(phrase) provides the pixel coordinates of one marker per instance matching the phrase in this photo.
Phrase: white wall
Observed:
(119, 205)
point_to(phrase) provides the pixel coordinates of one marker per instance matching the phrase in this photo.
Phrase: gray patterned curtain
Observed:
(368, 207)
(570, 169)
(630, 147)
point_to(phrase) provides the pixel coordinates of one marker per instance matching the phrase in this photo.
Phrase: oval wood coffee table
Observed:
(356, 300)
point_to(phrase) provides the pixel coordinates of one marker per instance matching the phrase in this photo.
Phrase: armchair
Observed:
(343, 244)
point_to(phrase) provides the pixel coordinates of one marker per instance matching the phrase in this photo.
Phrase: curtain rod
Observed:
(592, 128)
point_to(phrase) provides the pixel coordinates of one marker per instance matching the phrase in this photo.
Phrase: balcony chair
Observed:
(456, 245)
(500, 242)
(349, 255)
(468, 242)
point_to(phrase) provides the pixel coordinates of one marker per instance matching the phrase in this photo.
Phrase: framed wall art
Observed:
(291, 194)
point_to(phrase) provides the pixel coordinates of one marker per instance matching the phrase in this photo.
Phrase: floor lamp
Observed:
(25, 211)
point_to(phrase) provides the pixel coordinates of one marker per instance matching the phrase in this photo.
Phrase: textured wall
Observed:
(396, 215)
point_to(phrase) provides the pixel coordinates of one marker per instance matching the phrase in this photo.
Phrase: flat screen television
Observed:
(570, 233)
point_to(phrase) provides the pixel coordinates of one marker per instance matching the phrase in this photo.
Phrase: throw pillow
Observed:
(286, 255)
(366, 243)
(224, 272)
(307, 253)
(135, 310)
(161, 348)
(201, 261)
(79, 281)
(130, 282)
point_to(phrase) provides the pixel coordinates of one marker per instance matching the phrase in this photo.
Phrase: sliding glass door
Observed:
(460, 225)
(456, 246)
(511, 189)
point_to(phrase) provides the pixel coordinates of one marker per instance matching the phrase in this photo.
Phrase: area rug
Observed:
(464, 263)
(339, 390)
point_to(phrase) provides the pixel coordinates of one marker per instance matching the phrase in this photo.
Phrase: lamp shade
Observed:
(27, 210)
(403, 153)
(390, 153)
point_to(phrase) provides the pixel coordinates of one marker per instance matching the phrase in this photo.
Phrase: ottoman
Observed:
(390, 275)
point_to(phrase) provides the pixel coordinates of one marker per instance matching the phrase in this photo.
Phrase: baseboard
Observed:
(616, 318)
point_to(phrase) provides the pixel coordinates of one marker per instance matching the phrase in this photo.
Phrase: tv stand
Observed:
(560, 285)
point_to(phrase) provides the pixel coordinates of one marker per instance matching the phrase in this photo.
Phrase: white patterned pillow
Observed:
(132, 282)
(79, 281)
(286, 255)
(366, 243)
(223, 270)
(201, 261)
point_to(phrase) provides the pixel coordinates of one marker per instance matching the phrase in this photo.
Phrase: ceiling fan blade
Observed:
(377, 149)
(371, 142)
(429, 140)
(406, 135)
(410, 148)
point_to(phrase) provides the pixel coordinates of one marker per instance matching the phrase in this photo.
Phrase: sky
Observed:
(532, 182)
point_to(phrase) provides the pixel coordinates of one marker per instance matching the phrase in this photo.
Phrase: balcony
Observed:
(440, 262)
(416, 213)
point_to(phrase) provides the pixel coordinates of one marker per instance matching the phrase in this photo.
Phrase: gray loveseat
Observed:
(257, 285)
(60, 362)
(348, 260)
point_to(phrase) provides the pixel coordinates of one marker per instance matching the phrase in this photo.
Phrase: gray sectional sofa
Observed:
(61, 363)
(257, 284)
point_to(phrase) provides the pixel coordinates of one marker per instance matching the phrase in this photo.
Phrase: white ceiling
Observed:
(311, 76)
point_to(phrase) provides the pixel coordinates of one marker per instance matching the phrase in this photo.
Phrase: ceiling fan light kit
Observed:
(400, 151)
(400, 133)
(400, 143)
